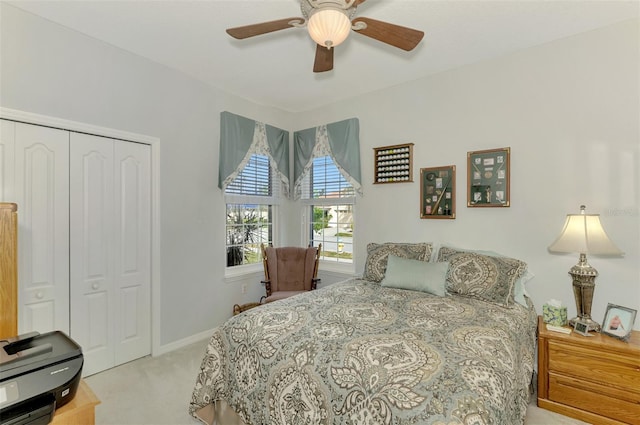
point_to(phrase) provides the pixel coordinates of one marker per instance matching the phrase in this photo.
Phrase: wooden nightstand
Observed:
(595, 379)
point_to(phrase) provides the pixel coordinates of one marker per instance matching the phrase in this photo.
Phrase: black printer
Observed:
(38, 373)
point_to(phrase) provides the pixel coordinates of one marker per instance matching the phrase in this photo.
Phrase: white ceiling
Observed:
(276, 69)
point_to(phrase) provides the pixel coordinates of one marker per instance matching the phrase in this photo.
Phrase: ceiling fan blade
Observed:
(358, 2)
(324, 59)
(395, 35)
(262, 28)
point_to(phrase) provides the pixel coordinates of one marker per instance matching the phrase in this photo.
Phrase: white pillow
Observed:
(416, 275)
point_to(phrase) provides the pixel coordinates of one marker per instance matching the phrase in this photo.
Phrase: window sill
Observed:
(334, 267)
(238, 273)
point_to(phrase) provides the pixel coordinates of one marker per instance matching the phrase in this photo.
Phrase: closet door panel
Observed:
(7, 160)
(91, 247)
(42, 194)
(96, 308)
(132, 250)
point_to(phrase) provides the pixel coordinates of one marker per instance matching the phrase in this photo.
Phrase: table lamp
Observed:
(583, 233)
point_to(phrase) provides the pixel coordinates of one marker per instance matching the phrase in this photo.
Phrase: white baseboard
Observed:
(163, 349)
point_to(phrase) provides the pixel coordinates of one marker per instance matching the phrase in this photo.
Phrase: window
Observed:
(331, 199)
(250, 210)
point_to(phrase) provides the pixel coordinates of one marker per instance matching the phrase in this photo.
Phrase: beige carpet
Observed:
(157, 390)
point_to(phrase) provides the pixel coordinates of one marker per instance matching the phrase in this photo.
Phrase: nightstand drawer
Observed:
(612, 369)
(600, 399)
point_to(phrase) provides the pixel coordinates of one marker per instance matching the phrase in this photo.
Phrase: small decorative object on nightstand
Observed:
(618, 321)
(554, 313)
(583, 233)
(581, 328)
(594, 379)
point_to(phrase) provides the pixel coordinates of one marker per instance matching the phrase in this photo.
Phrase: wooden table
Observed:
(595, 379)
(80, 410)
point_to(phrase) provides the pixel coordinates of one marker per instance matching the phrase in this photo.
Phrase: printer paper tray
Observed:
(37, 411)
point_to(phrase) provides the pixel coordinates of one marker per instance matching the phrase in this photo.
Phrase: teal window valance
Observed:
(340, 140)
(240, 138)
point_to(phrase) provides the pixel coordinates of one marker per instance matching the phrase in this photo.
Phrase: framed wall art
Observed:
(618, 321)
(393, 164)
(438, 192)
(488, 178)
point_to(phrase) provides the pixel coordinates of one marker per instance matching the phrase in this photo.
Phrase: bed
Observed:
(411, 342)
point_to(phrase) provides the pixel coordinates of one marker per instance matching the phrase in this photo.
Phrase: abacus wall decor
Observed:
(393, 164)
(438, 192)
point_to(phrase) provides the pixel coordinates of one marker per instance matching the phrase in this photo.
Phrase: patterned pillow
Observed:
(376, 264)
(481, 276)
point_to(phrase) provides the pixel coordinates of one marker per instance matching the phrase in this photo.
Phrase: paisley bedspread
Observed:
(359, 353)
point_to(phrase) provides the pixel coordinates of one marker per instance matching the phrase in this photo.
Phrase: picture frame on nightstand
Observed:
(618, 321)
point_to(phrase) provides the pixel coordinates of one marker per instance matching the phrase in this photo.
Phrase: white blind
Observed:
(325, 181)
(254, 179)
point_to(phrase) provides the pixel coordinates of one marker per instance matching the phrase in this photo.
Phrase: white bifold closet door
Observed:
(35, 175)
(110, 201)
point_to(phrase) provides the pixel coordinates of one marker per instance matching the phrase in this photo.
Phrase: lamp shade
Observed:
(329, 27)
(583, 233)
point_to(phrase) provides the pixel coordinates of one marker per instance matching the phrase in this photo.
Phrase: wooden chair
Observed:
(289, 270)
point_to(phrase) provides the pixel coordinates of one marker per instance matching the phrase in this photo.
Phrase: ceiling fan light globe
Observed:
(329, 27)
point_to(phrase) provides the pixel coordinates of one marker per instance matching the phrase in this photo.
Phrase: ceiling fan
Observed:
(329, 23)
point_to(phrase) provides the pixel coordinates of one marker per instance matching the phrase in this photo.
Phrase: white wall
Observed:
(569, 110)
(50, 70)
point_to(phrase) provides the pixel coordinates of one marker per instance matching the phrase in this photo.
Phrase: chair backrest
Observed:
(291, 268)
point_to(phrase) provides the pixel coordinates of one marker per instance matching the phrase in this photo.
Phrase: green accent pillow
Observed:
(416, 275)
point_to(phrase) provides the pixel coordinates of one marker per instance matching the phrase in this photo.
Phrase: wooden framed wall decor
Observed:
(438, 192)
(393, 164)
(488, 178)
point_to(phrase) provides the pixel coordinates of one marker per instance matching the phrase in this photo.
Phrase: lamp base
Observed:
(584, 276)
(588, 324)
